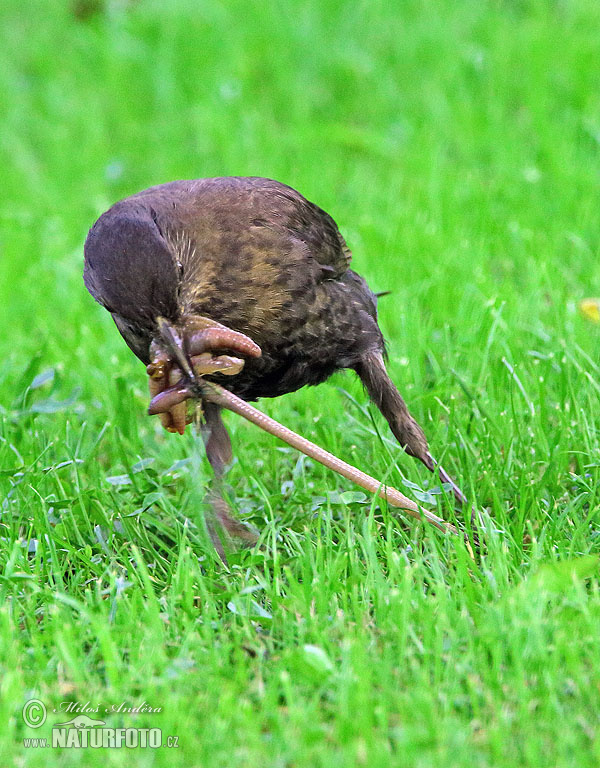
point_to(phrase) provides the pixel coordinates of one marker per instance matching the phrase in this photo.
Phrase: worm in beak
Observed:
(178, 359)
(188, 384)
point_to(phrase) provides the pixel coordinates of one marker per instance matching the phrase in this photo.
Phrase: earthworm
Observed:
(216, 394)
(211, 339)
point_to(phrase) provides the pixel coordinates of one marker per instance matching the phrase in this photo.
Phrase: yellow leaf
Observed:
(590, 308)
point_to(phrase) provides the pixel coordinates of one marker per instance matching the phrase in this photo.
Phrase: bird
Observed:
(253, 282)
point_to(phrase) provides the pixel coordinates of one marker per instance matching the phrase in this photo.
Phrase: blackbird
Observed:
(254, 283)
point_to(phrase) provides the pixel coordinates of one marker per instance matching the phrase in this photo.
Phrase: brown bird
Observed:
(252, 283)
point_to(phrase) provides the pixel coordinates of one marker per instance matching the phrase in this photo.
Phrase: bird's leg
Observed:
(219, 454)
(383, 393)
(216, 440)
(179, 360)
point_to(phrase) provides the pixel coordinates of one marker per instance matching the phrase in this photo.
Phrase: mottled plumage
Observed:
(249, 253)
(257, 257)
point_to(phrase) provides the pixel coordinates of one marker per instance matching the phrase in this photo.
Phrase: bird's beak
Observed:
(175, 348)
(170, 368)
(179, 360)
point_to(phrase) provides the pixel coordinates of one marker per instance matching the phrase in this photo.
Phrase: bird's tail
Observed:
(406, 430)
(383, 393)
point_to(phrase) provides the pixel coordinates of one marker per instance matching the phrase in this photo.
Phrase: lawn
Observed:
(457, 145)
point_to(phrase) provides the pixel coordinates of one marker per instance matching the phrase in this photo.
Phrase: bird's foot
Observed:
(200, 340)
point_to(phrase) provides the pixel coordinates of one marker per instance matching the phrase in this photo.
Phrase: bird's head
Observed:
(132, 270)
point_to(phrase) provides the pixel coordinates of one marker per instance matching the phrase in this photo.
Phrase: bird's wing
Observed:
(287, 210)
(213, 212)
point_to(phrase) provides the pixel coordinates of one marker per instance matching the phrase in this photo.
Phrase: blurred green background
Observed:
(457, 145)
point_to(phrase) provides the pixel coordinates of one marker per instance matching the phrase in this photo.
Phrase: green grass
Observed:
(457, 145)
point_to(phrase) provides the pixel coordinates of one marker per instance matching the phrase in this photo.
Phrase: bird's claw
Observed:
(169, 393)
